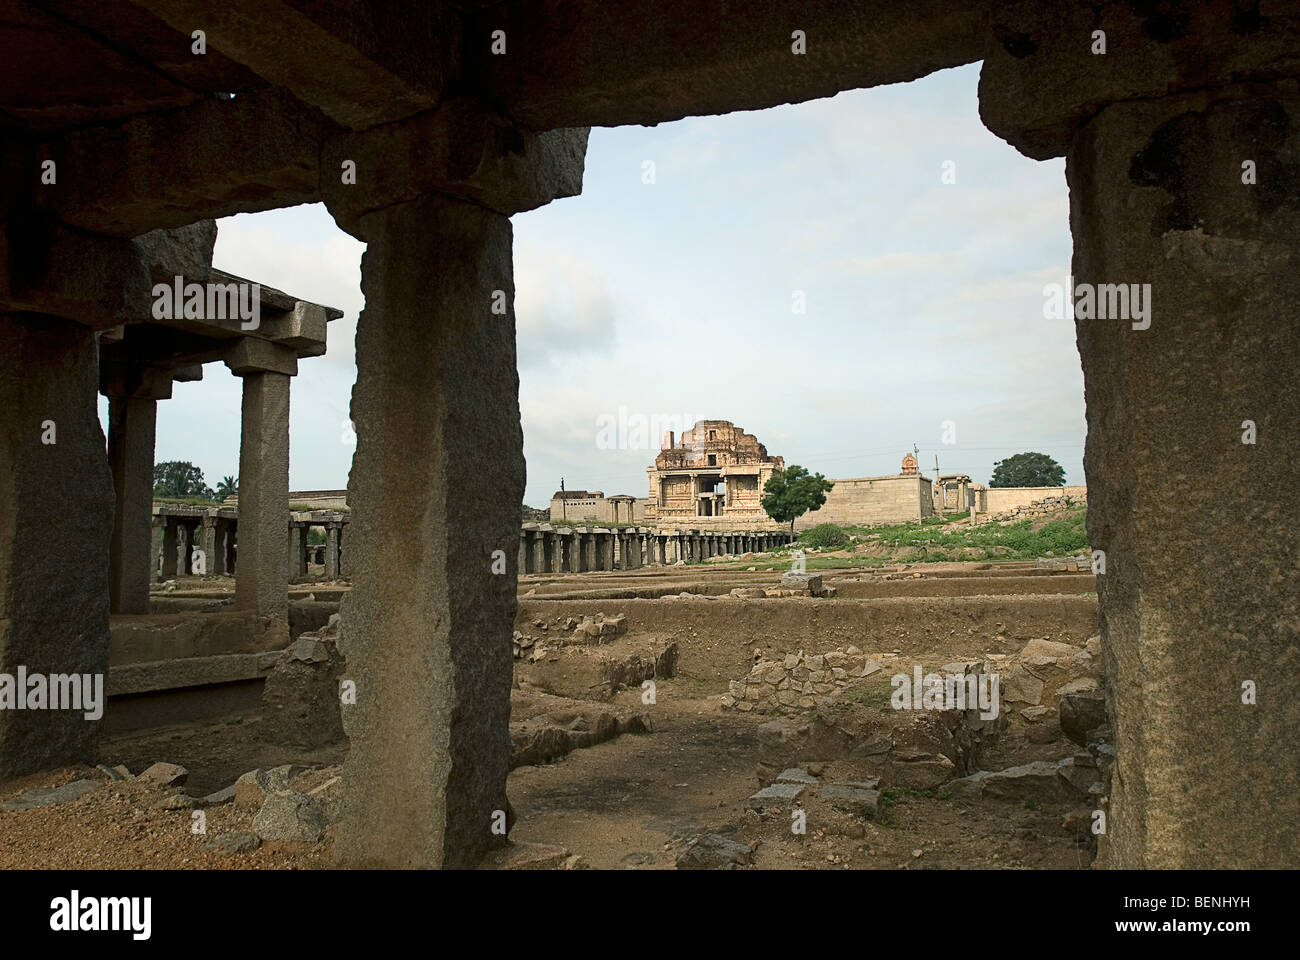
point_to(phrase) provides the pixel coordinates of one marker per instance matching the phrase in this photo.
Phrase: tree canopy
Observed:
(791, 493)
(1027, 470)
(179, 478)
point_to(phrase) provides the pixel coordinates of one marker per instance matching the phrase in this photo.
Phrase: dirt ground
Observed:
(635, 801)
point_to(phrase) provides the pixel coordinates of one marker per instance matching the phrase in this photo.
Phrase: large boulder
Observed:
(291, 817)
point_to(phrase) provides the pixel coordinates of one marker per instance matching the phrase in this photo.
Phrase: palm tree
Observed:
(228, 487)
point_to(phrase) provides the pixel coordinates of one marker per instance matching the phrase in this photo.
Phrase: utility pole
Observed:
(564, 514)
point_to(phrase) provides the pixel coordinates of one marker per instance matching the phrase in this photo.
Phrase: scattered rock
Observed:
(230, 844)
(164, 775)
(795, 775)
(224, 795)
(1081, 713)
(776, 795)
(47, 796)
(1039, 780)
(713, 852)
(528, 856)
(291, 817)
(252, 789)
(859, 796)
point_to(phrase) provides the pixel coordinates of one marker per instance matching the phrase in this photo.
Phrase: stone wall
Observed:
(870, 500)
(997, 499)
(796, 681)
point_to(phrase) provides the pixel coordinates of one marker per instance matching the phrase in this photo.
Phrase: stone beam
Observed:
(1045, 80)
(48, 268)
(100, 281)
(212, 159)
(580, 63)
(361, 64)
(459, 149)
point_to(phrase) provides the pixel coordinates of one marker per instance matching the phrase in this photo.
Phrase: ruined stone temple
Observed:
(424, 125)
(715, 470)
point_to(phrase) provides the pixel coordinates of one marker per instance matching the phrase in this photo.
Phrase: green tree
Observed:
(228, 487)
(790, 494)
(179, 478)
(1027, 470)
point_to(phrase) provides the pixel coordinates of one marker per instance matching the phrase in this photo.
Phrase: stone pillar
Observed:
(554, 553)
(58, 495)
(522, 562)
(344, 557)
(332, 571)
(297, 550)
(536, 552)
(262, 576)
(131, 423)
(208, 541)
(231, 553)
(185, 561)
(429, 734)
(157, 527)
(605, 543)
(547, 545)
(1184, 180)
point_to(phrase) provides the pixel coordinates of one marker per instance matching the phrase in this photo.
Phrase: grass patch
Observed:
(874, 692)
(827, 536)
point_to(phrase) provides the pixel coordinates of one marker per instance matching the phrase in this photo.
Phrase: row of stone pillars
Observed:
(179, 529)
(175, 539)
(546, 549)
(331, 553)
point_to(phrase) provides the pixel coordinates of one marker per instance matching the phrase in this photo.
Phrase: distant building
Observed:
(592, 506)
(716, 471)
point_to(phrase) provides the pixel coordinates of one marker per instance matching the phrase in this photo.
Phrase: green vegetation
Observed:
(825, 535)
(180, 479)
(934, 540)
(1016, 540)
(875, 692)
(791, 493)
(1027, 470)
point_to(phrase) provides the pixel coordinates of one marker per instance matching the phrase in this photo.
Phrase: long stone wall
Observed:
(997, 499)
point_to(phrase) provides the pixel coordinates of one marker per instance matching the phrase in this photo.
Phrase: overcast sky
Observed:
(669, 300)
